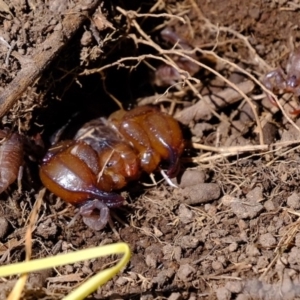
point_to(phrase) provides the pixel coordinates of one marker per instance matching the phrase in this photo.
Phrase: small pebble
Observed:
(250, 207)
(294, 201)
(269, 205)
(190, 178)
(185, 272)
(151, 260)
(234, 286)
(223, 294)
(252, 250)
(185, 214)
(175, 296)
(217, 266)
(188, 241)
(86, 38)
(233, 247)
(38, 279)
(121, 281)
(267, 240)
(201, 193)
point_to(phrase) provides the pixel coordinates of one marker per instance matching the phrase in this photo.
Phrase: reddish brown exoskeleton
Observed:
(11, 157)
(107, 154)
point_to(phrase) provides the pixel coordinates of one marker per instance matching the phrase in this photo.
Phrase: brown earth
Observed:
(230, 231)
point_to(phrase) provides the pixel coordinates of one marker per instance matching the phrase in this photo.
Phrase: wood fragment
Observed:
(45, 53)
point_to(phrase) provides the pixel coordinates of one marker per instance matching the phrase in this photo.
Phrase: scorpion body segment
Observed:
(11, 157)
(107, 154)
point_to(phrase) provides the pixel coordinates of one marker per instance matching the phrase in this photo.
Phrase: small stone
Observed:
(233, 247)
(269, 205)
(151, 260)
(243, 225)
(193, 296)
(38, 279)
(177, 253)
(217, 266)
(69, 269)
(234, 286)
(167, 251)
(163, 276)
(228, 199)
(210, 209)
(86, 38)
(171, 252)
(191, 177)
(251, 250)
(185, 272)
(294, 201)
(200, 128)
(249, 208)
(175, 296)
(86, 270)
(223, 294)
(185, 214)
(201, 193)
(297, 240)
(188, 241)
(262, 262)
(294, 256)
(121, 281)
(267, 240)
(46, 229)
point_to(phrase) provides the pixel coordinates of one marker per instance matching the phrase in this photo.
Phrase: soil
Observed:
(230, 229)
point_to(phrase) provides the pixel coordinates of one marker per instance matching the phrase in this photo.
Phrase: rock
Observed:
(249, 208)
(185, 272)
(201, 193)
(267, 240)
(185, 214)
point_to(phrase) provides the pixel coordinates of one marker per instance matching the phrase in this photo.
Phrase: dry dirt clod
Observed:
(47, 229)
(190, 178)
(185, 272)
(223, 294)
(293, 201)
(294, 257)
(233, 247)
(38, 279)
(185, 214)
(250, 207)
(234, 286)
(175, 296)
(172, 252)
(163, 277)
(217, 266)
(86, 38)
(251, 250)
(188, 241)
(267, 240)
(201, 193)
